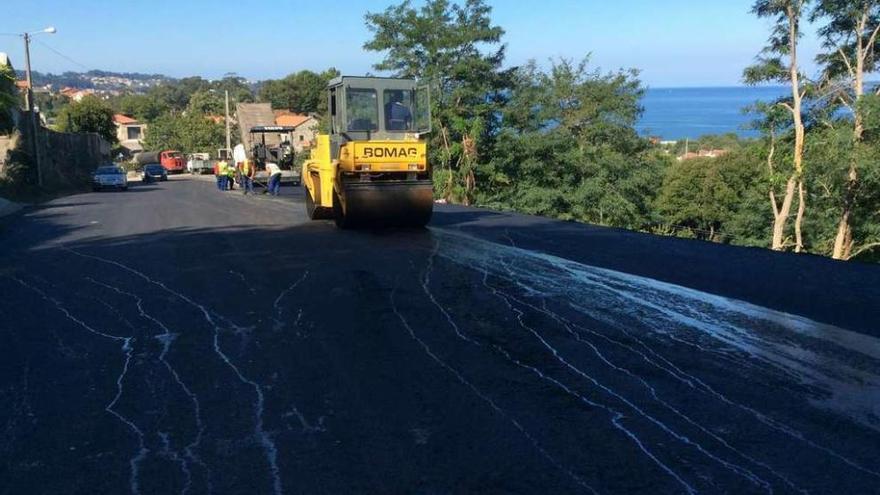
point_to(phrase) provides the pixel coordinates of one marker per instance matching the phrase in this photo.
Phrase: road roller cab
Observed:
(372, 168)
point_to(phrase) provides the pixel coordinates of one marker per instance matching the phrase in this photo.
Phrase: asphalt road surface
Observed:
(178, 339)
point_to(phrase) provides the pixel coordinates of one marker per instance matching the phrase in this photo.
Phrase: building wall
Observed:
(304, 135)
(122, 132)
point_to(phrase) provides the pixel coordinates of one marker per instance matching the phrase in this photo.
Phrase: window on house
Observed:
(134, 133)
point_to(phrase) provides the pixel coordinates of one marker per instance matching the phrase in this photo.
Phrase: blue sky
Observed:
(673, 42)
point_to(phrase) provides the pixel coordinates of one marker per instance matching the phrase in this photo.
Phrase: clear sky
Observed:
(673, 42)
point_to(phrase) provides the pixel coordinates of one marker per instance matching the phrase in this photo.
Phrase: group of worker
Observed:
(243, 173)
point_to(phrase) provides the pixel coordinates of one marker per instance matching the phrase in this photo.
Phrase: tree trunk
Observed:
(844, 232)
(843, 240)
(799, 132)
(780, 217)
(798, 223)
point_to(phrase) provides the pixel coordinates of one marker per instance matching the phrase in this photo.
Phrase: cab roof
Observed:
(372, 82)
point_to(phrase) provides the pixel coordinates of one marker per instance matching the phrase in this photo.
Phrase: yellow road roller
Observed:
(371, 170)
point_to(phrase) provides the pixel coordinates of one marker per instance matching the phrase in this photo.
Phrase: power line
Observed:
(56, 52)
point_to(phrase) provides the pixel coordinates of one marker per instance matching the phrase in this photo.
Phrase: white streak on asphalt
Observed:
(279, 311)
(501, 412)
(167, 339)
(616, 415)
(174, 456)
(559, 319)
(243, 281)
(426, 287)
(143, 451)
(672, 312)
(651, 390)
(261, 434)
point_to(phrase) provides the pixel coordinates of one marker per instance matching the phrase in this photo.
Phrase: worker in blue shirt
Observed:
(398, 116)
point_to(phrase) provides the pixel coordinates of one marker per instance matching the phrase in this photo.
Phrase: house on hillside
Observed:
(76, 94)
(129, 132)
(305, 128)
(703, 154)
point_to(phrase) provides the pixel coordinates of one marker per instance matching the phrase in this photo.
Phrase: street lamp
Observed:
(29, 96)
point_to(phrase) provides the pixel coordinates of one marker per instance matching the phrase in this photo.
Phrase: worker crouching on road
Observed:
(246, 171)
(221, 170)
(274, 178)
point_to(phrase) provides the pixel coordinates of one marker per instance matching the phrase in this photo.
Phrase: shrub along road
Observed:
(176, 339)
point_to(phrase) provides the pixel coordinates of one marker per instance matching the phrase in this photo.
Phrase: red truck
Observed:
(172, 161)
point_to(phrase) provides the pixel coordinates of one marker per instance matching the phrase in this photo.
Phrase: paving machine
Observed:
(280, 154)
(372, 168)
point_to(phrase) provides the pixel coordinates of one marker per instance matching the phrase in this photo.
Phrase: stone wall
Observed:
(66, 160)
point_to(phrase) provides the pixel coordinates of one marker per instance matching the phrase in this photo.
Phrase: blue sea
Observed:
(679, 113)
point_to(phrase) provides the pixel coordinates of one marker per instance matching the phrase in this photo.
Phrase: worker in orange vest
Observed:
(247, 171)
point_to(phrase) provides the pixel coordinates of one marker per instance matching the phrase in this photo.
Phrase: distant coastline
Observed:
(674, 114)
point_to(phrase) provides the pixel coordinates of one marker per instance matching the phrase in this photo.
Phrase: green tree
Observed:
(175, 95)
(88, 115)
(207, 103)
(239, 89)
(50, 104)
(850, 39)
(457, 49)
(145, 108)
(189, 134)
(567, 148)
(706, 195)
(8, 96)
(301, 92)
(779, 62)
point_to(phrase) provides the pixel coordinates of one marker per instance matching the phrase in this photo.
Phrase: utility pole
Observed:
(228, 137)
(29, 96)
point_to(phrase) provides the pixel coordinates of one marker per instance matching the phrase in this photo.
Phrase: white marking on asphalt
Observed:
(167, 339)
(263, 436)
(243, 281)
(577, 479)
(143, 451)
(602, 294)
(616, 415)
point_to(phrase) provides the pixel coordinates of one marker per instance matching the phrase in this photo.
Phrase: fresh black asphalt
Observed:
(178, 339)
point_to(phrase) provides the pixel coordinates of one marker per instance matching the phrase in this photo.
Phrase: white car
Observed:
(110, 176)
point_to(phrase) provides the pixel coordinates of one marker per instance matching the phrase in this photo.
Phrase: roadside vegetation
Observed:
(8, 98)
(557, 137)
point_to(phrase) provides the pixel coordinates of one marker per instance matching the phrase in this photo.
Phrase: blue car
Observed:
(154, 172)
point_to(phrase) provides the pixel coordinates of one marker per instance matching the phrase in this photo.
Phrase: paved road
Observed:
(176, 339)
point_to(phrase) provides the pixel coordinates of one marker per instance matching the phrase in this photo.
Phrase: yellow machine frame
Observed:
(386, 179)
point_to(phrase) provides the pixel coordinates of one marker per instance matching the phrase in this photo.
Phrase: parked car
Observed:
(154, 172)
(110, 176)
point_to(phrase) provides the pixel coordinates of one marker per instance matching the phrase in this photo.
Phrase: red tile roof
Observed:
(123, 119)
(290, 119)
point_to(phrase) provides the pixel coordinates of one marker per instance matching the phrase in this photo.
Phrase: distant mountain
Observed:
(97, 79)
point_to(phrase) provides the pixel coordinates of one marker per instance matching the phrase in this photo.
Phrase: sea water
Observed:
(679, 113)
